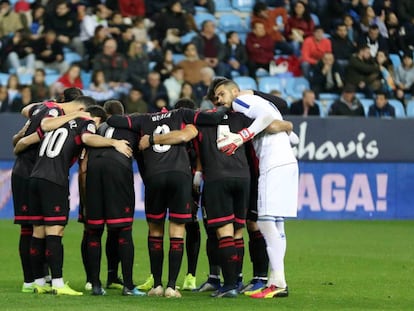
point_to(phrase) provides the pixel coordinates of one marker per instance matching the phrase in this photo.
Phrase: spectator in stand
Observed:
(396, 34)
(192, 64)
(125, 39)
(313, 49)
(4, 101)
(134, 101)
(113, 64)
(363, 72)
(235, 55)
(40, 91)
(91, 21)
(200, 88)
(166, 65)
(374, 40)
(260, 49)
(353, 31)
(98, 82)
(153, 8)
(173, 85)
(36, 21)
(24, 99)
(209, 47)
(131, 8)
(336, 9)
(381, 108)
(299, 26)
(170, 25)
(116, 23)
(10, 21)
(138, 62)
(274, 21)
(71, 78)
(94, 45)
(342, 46)
(369, 18)
(327, 76)
(153, 91)
(404, 77)
(189, 5)
(405, 10)
(21, 6)
(187, 91)
(49, 53)
(13, 87)
(387, 73)
(64, 22)
(20, 56)
(139, 30)
(347, 105)
(305, 106)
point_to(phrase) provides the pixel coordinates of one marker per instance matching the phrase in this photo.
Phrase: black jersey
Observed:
(116, 133)
(25, 160)
(166, 158)
(59, 149)
(216, 164)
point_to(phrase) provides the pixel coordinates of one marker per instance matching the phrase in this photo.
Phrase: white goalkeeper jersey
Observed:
(272, 150)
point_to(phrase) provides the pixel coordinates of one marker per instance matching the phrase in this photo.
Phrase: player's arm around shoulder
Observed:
(25, 142)
(95, 140)
(50, 124)
(172, 138)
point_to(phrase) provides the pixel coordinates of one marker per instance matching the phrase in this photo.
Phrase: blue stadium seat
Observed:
(177, 57)
(86, 77)
(72, 57)
(200, 17)
(25, 78)
(395, 60)
(231, 22)
(187, 37)
(270, 83)
(399, 108)
(315, 19)
(243, 5)
(200, 9)
(51, 78)
(223, 6)
(296, 86)
(410, 109)
(321, 109)
(4, 77)
(366, 103)
(222, 36)
(245, 83)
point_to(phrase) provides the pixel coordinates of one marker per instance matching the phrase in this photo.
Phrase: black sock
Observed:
(94, 255)
(156, 253)
(175, 257)
(54, 255)
(84, 253)
(258, 254)
(112, 256)
(192, 245)
(25, 240)
(212, 252)
(37, 256)
(229, 261)
(126, 254)
(239, 243)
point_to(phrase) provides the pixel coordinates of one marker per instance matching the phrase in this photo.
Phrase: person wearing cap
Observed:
(404, 77)
(347, 105)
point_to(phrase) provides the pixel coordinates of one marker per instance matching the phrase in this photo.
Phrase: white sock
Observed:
(276, 248)
(28, 284)
(40, 282)
(58, 282)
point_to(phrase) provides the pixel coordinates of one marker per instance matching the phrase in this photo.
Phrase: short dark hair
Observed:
(71, 93)
(210, 91)
(97, 111)
(87, 101)
(114, 107)
(184, 103)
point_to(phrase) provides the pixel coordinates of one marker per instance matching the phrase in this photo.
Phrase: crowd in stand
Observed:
(150, 53)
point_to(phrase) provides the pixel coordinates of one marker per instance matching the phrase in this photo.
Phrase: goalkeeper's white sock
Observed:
(276, 248)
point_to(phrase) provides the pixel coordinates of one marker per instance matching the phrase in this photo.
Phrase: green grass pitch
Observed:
(330, 265)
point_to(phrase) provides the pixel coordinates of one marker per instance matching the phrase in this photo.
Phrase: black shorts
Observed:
(49, 202)
(172, 191)
(226, 201)
(252, 210)
(110, 196)
(20, 190)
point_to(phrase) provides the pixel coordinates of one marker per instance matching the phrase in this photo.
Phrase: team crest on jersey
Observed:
(225, 117)
(91, 128)
(53, 112)
(73, 124)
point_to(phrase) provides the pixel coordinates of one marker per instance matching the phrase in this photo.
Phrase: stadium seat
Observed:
(296, 86)
(410, 109)
(243, 5)
(325, 99)
(200, 17)
(187, 37)
(395, 60)
(245, 83)
(315, 19)
(86, 77)
(231, 22)
(399, 108)
(223, 6)
(177, 57)
(270, 83)
(51, 78)
(222, 36)
(3, 78)
(25, 78)
(366, 103)
(321, 109)
(72, 57)
(360, 95)
(151, 65)
(325, 108)
(200, 9)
